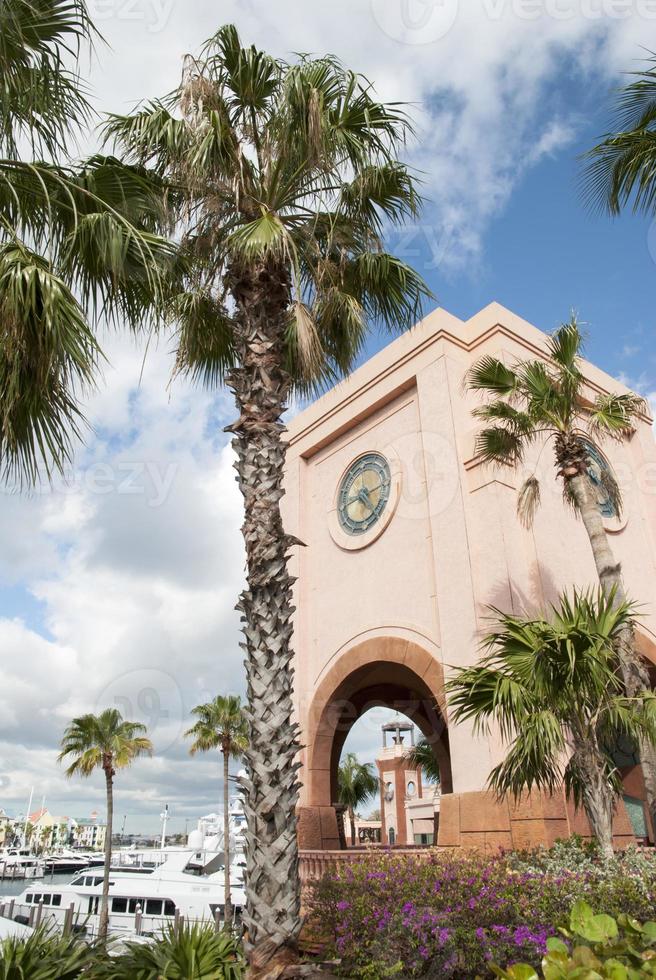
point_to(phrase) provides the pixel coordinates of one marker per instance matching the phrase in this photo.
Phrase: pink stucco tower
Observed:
(410, 538)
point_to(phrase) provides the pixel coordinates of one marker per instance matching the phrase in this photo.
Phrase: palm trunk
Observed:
(261, 386)
(597, 796)
(227, 898)
(633, 671)
(104, 902)
(352, 822)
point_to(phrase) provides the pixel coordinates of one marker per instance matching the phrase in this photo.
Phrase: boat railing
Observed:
(149, 926)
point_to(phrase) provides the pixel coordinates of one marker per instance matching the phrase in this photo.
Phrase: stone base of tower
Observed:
(479, 821)
(320, 828)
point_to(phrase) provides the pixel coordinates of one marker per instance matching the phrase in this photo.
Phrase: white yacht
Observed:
(188, 882)
(20, 862)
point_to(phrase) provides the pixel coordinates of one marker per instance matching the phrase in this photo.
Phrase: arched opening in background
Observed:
(387, 672)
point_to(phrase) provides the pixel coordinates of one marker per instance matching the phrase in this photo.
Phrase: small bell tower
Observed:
(400, 782)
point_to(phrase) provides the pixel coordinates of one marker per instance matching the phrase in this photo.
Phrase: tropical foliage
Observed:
(281, 178)
(75, 241)
(49, 956)
(221, 725)
(356, 783)
(421, 756)
(552, 689)
(190, 952)
(193, 952)
(451, 916)
(622, 168)
(594, 946)
(546, 402)
(108, 742)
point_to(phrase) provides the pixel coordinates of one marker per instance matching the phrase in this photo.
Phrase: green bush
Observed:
(451, 916)
(195, 952)
(49, 956)
(594, 946)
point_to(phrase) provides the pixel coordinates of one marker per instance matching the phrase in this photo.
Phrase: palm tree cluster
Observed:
(553, 689)
(546, 402)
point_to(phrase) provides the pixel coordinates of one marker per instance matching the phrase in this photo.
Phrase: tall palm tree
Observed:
(76, 241)
(221, 725)
(547, 402)
(356, 783)
(283, 178)
(552, 687)
(622, 166)
(108, 742)
(421, 756)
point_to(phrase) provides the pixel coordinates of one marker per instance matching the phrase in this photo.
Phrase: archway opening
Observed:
(389, 780)
(384, 672)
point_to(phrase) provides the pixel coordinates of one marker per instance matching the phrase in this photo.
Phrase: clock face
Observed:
(364, 493)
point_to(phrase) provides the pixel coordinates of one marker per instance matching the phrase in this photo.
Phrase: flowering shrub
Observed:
(594, 946)
(452, 915)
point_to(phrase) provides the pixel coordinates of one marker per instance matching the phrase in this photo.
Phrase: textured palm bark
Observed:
(227, 896)
(352, 823)
(572, 458)
(261, 387)
(104, 902)
(597, 796)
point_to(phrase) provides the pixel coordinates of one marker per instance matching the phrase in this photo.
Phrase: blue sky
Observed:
(121, 581)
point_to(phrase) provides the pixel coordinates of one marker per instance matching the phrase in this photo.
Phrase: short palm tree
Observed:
(622, 167)
(108, 742)
(356, 783)
(283, 177)
(546, 402)
(552, 688)
(76, 241)
(221, 725)
(421, 756)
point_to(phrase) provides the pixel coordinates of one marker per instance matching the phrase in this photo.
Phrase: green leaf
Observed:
(556, 945)
(594, 928)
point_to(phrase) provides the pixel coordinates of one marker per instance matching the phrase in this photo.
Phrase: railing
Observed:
(69, 920)
(313, 865)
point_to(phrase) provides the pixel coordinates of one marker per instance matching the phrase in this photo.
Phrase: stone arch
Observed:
(381, 670)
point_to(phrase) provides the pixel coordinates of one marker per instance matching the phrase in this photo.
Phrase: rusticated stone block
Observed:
(473, 842)
(622, 826)
(498, 841)
(555, 830)
(527, 834)
(449, 830)
(535, 806)
(482, 812)
(310, 837)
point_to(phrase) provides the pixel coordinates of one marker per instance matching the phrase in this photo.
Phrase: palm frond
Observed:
(491, 375)
(622, 166)
(528, 500)
(615, 415)
(497, 444)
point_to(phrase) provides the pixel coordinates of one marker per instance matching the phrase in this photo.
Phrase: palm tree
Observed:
(76, 241)
(283, 177)
(221, 725)
(356, 783)
(108, 742)
(421, 756)
(623, 165)
(548, 402)
(553, 689)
